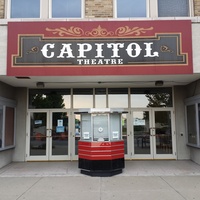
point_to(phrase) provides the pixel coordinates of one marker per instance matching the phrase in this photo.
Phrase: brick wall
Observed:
(196, 7)
(101, 8)
(1, 9)
(98, 8)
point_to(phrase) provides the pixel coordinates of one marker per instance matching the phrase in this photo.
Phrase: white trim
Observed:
(191, 8)
(7, 9)
(114, 9)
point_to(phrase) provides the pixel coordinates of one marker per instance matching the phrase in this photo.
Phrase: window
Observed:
(191, 124)
(83, 98)
(100, 98)
(173, 8)
(192, 110)
(151, 97)
(7, 123)
(49, 98)
(152, 8)
(66, 9)
(118, 98)
(131, 8)
(25, 9)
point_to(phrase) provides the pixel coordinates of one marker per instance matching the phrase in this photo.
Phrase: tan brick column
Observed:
(98, 8)
(2, 9)
(196, 7)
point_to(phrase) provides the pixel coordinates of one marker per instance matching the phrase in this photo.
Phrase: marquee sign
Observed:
(99, 48)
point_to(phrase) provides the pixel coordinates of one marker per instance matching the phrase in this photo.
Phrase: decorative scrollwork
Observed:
(165, 48)
(126, 30)
(99, 32)
(62, 31)
(33, 50)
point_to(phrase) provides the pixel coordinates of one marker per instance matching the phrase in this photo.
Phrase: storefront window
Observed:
(173, 8)
(191, 124)
(118, 97)
(1, 126)
(83, 98)
(7, 123)
(25, 8)
(151, 97)
(66, 8)
(131, 8)
(9, 126)
(49, 98)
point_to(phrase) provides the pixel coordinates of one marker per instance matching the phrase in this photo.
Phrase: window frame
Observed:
(190, 10)
(152, 10)
(196, 102)
(45, 10)
(8, 10)
(115, 10)
(4, 103)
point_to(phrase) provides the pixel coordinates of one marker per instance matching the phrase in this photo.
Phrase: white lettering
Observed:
(45, 50)
(80, 61)
(120, 61)
(149, 49)
(115, 48)
(99, 50)
(93, 61)
(86, 61)
(100, 62)
(85, 47)
(130, 50)
(66, 49)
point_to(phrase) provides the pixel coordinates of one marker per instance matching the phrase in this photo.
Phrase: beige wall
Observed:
(98, 8)
(20, 140)
(7, 91)
(183, 152)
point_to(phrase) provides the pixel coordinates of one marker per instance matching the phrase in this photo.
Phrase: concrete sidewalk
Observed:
(140, 180)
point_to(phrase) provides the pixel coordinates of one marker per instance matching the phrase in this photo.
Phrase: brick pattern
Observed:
(98, 8)
(196, 7)
(2, 2)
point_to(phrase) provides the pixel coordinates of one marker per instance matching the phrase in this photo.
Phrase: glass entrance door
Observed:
(38, 138)
(153, 135)
(59, 135)
(48, 135)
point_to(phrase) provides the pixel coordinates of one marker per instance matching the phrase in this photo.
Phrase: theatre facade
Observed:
(53, 70)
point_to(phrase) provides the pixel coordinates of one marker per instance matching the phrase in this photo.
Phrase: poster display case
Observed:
(101, 148)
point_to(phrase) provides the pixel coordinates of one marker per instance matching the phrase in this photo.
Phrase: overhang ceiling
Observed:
(98, 81)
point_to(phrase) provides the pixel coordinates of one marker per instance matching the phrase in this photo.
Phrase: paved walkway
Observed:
(140, 180)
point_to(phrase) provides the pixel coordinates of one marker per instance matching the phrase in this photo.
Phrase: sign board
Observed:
(99, 48)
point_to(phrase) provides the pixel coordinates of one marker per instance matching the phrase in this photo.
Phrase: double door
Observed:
(52, 135)
(151, 134)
